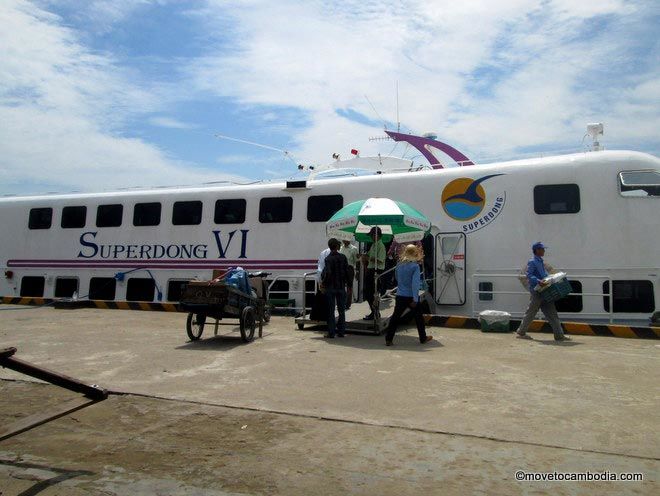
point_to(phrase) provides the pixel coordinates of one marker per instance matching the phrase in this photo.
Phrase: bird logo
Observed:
(464, 198)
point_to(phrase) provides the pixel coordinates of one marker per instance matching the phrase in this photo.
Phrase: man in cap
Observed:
(535, 274)
(374, 260)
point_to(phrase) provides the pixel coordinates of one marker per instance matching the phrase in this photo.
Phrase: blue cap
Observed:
(538, 245)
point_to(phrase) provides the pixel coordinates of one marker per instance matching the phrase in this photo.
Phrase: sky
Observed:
(100, 95)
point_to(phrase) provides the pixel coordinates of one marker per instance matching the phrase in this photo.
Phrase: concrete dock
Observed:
(293, 413)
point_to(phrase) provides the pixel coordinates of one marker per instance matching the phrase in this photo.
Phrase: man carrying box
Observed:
(535, 274)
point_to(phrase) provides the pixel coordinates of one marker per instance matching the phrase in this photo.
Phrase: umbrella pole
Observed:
(376, 309)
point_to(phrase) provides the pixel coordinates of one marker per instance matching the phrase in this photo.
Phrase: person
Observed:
(319, 305)
(407, 295)
(333, 279)
(535, 274)
(351, 253)
(374, 260)
(393, 254)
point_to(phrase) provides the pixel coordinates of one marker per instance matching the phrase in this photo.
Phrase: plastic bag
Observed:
(495, 316)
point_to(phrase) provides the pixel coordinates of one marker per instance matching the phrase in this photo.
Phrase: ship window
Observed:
(639, 183)
(146, 214)
(572, 303)
(630, 296)
(32, 286)
(557, 199)
(109, 215)
(321, 208)
(485, 291)
(279, 291)
(73, 217)
(230, 211)
(40, 218)
(175, 289)
(102, 288)
(278, 209)
(140, 289)
(187, 213)
(65, 287)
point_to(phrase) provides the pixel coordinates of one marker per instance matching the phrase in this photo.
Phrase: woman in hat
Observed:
(407, 294)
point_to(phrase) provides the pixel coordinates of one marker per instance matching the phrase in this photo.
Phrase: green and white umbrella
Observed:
(395, 219)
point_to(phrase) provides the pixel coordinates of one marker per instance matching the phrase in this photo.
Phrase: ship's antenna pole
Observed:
(398, 122)
(266, 147)
(376, 111)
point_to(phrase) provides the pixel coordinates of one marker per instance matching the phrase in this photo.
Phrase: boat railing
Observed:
(477, 278)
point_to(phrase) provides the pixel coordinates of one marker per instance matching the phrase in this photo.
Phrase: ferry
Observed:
(597, 211)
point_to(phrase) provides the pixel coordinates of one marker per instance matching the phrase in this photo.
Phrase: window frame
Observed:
(323, 218)
(631, 192)
(285, 199)
(108, 205)
(144, 204)
(178, 204)
(241, 218)
(537, 192)
(66, 215)
(36, 223)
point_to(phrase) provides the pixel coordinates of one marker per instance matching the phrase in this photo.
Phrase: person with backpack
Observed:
(333, 278)
(536, 272)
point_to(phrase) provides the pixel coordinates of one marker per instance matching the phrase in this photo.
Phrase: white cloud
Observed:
(64, 108)
(319, 59)
(171, 123)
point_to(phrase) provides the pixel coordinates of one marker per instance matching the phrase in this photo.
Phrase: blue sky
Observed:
(104, 94)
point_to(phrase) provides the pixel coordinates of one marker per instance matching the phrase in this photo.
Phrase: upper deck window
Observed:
(278, 209)
(40, 218)
(230, 211)
(109, 215)
(639, 183)
(146, 214)
(73, 217)
(321, 208)
(187, 213)
(556, 199)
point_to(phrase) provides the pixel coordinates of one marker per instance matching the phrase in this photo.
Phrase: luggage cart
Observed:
(218, 300)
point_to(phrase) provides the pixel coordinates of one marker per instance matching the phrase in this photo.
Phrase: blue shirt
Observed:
(535, 271)
(407, 276)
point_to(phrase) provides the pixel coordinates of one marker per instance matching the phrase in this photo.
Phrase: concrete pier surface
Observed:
(293, 413)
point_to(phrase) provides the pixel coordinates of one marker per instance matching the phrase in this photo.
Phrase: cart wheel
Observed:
(301, 327)
(195, 325)
(248, 324)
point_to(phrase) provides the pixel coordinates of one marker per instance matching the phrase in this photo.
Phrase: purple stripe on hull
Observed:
(163, 264)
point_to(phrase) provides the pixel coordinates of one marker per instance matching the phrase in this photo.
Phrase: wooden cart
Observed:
(218, 300)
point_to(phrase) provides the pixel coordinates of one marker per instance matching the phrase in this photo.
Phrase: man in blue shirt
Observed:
(535, 274)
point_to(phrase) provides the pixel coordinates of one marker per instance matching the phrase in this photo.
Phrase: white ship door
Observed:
(450, 268)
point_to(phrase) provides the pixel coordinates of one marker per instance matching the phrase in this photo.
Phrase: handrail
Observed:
(295, 291)
(610, 295)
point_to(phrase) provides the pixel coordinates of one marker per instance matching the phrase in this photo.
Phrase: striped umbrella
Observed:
(395, 219)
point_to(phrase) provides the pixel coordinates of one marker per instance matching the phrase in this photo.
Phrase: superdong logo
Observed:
(465, 199)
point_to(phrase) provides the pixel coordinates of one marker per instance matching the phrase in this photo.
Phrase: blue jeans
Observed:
(338, 297)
